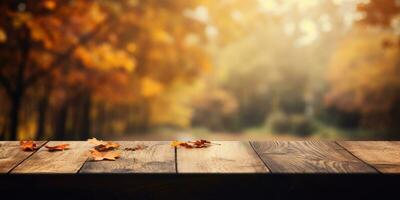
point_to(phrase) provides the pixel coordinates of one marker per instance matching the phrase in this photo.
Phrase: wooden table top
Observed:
(267, 157)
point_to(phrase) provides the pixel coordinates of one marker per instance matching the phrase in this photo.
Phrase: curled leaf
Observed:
(60, 147)
(102, 145)
(192, 144)
(27, 145)
(109, 155)
(138, 147)
(106, 147)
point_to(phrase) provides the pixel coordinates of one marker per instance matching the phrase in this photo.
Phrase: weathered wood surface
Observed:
(309, 157)
(228, 157)
(157, 157)
(383, 155)
(67, 161)
(11, 155)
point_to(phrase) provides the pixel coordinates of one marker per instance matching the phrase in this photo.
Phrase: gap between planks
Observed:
(382, 155)
(41, 146)
(351, 153)
(227, 157)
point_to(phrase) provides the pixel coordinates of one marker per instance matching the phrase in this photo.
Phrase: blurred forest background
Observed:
(219, 69)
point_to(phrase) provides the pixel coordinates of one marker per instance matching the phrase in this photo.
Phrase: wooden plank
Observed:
(229, 157)
(158, 157)
(309, 157)
(383, 155)
(11, 154)
(67, 161)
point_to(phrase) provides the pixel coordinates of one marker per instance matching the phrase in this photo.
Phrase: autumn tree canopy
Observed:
(364, 74)
(59, 52)
(71, 69)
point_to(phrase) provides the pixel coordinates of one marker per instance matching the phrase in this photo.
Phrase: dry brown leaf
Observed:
(60, 147)
(102, 145)
(27, 145)
(193, 144)
(109, 155)
(138, 147)
(106, 147)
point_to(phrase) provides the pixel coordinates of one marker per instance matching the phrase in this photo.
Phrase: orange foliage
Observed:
(60, 147)
(27, 145)
(364, 75)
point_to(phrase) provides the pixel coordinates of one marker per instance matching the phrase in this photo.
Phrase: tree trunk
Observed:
(100, 125)
(76, 122)
(18, 94)
(41, 120)
(3, 131)
(14, 116)
(61, 122)
(86, 108)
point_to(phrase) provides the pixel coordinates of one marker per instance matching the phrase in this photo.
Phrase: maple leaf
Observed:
(192, 144)
(102, 145)
(60, 147)
(109, 155)
(27, 145)
(138, 147)
(106, 147)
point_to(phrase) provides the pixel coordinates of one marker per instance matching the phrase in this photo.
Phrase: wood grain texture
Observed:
(67, 161)
(158, 157)
(229, 157)
(11, 154)
(309, 157)
(383, 155)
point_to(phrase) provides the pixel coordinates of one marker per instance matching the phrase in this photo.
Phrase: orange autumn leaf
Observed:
(27, 145)
(193, 144)
(106, 147)
(102, 145)
(136, 148)
(60, 147)
(110, 155)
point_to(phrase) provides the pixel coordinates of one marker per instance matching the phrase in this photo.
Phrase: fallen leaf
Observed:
(102, 145)
(176, 143)
(60, 147)
(109, 155)
(106, 147)
(193, 144)
(27, 145)
(138, 147)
